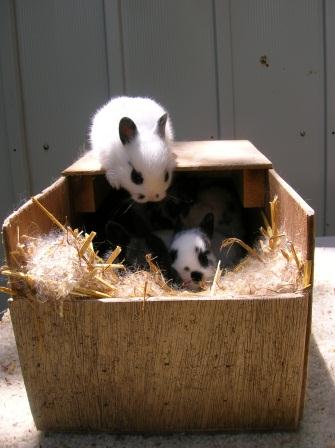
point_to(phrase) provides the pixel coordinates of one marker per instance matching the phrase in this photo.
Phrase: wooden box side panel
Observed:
(177, 365)
(297, 219)
(30, 220)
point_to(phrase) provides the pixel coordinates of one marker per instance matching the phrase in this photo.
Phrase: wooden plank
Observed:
(179, 365)
(297, 219)
(30, 220)
(254, 188)
(198, 155)
(88, 192)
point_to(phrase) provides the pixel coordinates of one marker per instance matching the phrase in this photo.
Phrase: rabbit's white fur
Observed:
(148, 152)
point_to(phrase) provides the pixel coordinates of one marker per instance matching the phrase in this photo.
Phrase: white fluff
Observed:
(148, 152)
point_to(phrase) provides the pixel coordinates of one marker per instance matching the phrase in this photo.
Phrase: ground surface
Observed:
(317, 428)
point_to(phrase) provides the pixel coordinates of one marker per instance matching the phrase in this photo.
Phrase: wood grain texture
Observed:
(209, 363)
(297, 219)
(179, 365)
(254, 188)
(30, 220)
(197, 155)
(88, 192)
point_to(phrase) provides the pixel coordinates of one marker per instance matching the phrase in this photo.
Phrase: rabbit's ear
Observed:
(161, 124)
(127, 130)
(207, 225)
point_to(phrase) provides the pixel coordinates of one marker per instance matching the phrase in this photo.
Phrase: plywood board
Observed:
(30, 220)
(210, 155)
(179, 365)
(297, 219)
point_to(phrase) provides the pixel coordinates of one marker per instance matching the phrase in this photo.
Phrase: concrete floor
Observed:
(317, 428)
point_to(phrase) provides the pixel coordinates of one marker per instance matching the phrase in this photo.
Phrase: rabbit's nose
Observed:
(196, 276)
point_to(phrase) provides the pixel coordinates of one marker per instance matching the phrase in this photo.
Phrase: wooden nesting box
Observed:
(195, 364)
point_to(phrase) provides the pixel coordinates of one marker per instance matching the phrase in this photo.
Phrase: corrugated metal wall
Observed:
(250, 69)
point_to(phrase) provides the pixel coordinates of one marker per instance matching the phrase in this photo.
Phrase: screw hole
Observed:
(46, 147)
(302, 133)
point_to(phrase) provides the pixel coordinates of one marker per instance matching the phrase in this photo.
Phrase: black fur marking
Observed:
(173, 255)
(167, 176)
(127, 130)
(136, 177)
(207, 225)
(196, 276)
(203, 259)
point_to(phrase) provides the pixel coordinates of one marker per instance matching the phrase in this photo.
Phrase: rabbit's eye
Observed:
(136, 177)
(203, 259)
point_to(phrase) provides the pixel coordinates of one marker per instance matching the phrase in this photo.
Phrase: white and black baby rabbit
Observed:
(132, 137)
(191, 254)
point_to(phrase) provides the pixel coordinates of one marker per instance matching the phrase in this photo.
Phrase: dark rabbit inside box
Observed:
(183, 232)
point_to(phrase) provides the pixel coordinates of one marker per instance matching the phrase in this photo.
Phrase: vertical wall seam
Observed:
(121, 37)
(232, 67)
(108, 62)
(21, 105)
(216, 71)
(326, 147)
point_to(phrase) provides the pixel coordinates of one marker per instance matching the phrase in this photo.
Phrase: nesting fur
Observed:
(63, 265)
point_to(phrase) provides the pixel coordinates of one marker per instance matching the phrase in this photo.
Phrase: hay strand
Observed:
(231, 241)
(49, 215)
(216, 278)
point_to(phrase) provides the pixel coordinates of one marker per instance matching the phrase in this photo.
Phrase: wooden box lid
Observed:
(212, 155)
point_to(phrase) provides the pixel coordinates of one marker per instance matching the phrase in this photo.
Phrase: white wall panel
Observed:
(114, 46)
(60, 59)
(14, 155)
(64, 76)
(280, 107)
(169, 54)
(7, 181)
(330, 123)
(225, 96)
